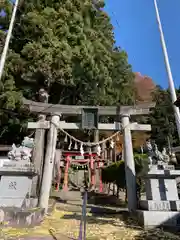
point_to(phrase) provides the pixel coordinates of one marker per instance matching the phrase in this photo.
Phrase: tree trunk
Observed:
(117, 194)
(126, 198)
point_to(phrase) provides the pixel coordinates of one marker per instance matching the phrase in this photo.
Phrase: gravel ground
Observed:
(64, 225)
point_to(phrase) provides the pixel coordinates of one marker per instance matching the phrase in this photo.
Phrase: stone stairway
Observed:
(72, 201)
(70, 196)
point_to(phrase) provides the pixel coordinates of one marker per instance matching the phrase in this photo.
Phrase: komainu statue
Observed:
(23, 152)
(155, 156)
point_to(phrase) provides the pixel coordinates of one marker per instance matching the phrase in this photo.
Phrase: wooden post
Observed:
(65, 185)
(49, 164)
(58, 180)
(129, 164)
(57, 167)
(100, 165)
(95, 171)
(96, 135)
(92, 168)
(38, 153)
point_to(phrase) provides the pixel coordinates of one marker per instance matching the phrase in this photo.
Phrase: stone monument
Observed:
(162, 205)
(16, 177)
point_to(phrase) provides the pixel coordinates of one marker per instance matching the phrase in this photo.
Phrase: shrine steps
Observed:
(91, 208)
(72, 201)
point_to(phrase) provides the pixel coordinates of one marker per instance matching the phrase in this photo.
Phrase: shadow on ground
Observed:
(102, 199)
(128, 222)
(105, 199)
(108, 210)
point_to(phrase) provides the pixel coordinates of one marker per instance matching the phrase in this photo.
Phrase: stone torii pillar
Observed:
(49, 164)
(129, 164)
(38, 152)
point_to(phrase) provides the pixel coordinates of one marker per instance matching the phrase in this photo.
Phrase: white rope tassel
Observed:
(112, 143)
(81, 150)
(117, 138)
(90, 151)
(75, 146)
(66, 139)
(69, 148)
(98, 150)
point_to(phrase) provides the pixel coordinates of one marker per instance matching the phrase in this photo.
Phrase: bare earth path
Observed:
(63, 225)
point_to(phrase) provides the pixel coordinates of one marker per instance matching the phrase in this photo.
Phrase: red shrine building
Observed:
(91, 159)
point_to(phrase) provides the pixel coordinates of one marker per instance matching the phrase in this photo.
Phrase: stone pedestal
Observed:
(155, 219)
(15, 184)
(162, 204)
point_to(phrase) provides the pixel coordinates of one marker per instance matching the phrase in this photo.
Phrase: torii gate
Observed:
(122, 113)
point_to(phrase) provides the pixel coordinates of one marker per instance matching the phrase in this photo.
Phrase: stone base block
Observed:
(155, 219)
(18, 202)
(162, 167)
(152, 205)
(163, 173)
(16, 217)
(30, 203)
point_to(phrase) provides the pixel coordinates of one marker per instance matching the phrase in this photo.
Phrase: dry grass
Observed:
(66, 224)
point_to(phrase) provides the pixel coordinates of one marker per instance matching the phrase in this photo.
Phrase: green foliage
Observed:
(68, 48)
(162, 119)
(141, 164)
(115, 173)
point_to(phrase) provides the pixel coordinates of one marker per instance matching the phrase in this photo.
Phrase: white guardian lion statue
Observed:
(23, 152)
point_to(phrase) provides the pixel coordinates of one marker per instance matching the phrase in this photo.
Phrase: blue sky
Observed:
(136, 31)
